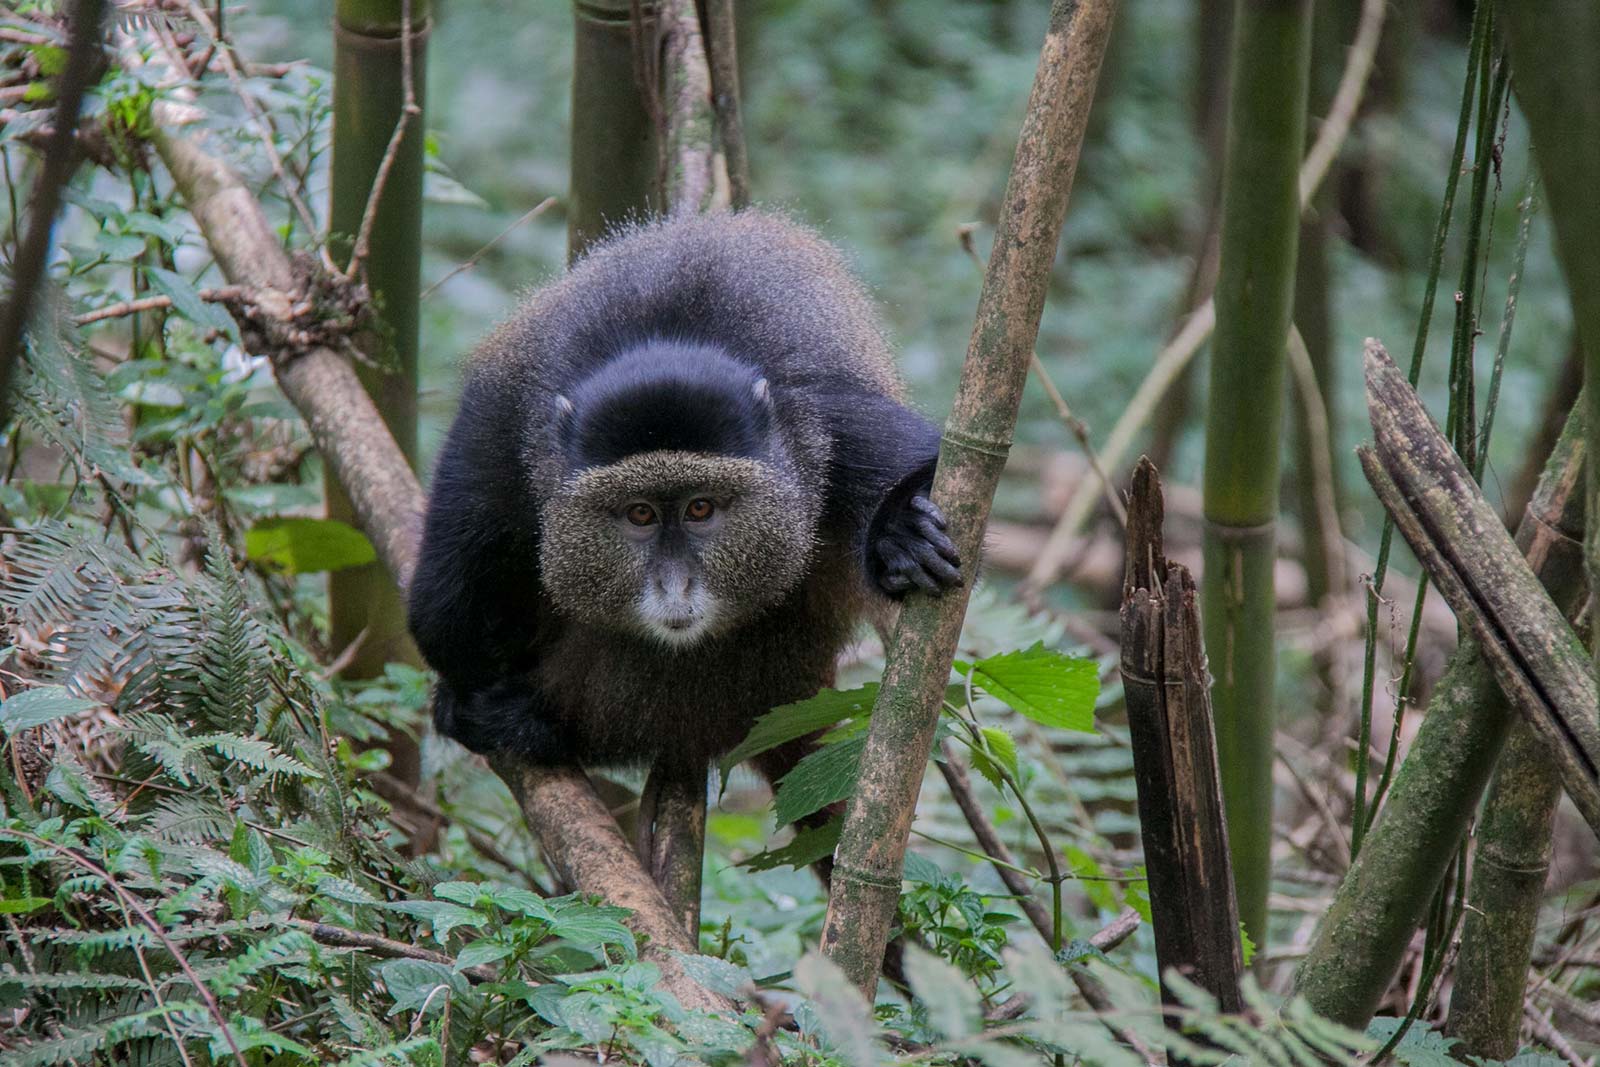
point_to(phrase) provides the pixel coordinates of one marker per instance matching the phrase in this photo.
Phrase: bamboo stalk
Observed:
(1509, 867)
(614, 137)
(977, 438)
(690, 163)
(1538, 661)
(1255, 292)
(1557, 81)
(1386, 892)
(375, 222)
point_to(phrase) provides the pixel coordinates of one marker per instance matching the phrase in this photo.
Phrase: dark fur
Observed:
(656, 341)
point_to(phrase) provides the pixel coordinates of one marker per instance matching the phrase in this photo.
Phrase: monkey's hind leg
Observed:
(671, 837)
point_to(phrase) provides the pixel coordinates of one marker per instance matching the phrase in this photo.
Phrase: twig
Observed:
(225, 294)
(717, 27)
(341, 937)
(83, 51)
(1076, 426)
(1544, 1030)
(472, 260)
(1005, 865)
(265, 130)
(409, 112)
(1316, 416)
(1175, 356)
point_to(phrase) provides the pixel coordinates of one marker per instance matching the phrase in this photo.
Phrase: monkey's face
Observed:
(676, 546)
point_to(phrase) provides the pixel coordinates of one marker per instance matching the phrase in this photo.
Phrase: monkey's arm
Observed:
(882, 469)
(474, 600)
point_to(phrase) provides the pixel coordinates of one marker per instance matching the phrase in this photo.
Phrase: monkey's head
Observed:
(680, 517)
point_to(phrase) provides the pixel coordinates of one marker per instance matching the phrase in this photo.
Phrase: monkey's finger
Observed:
(936, 537)
(930, 509)
(935, 565)
(898, 566)
(895, 583)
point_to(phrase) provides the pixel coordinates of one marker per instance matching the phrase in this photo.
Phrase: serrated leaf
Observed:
(1002, 748)
(1420, 1047)
(303, 546)
(790, 722)
(36, 707)
(480, 952)
(1046, 686)
(809, 845)
(441, 915)
(843, 1014)
(822, 778)
(952, 1002)
(412, 982)
(919, 868)
(716, 975)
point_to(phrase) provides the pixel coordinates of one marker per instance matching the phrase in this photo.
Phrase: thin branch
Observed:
(472, 260)
(409, 113)
(383, 947)
(1316, 422)
(230, 66)
(222, 295)
(718, 28)
(60, 157)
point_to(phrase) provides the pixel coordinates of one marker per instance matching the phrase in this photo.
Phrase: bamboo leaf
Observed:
(801, 719)
(303, 546)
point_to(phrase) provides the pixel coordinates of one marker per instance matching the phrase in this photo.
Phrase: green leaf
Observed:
(22, 905)
(717, 975)
(303, 546)
(952, 1002)
(1002, 749)
(843, 1014)
(1421, 1047)
(919, 868)
(35, 707)
(441, 915)
(822, 778)
(809, 845)
(801, 719)
(486, 951)
(412, 982)
(1046, 686)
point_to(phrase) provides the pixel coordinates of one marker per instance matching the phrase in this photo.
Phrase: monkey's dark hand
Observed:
(911, 549)
(503, 717)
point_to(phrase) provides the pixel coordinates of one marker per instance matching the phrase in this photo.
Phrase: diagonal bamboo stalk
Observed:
(1386, 892)
(1537, 659)
(977, 437)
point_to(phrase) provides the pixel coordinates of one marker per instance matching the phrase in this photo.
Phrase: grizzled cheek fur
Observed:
(760, 553)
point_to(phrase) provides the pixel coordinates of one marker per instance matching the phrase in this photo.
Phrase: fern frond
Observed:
(294, 946)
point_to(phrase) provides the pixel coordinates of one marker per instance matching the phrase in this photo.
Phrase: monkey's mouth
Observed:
(678, 625)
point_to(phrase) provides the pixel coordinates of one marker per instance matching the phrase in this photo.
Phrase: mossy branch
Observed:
(977, 437)
(1386, 892)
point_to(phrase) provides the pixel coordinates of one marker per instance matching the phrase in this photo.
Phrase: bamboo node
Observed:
(983, 446)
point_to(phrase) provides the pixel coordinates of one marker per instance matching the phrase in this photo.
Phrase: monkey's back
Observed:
(768, 289)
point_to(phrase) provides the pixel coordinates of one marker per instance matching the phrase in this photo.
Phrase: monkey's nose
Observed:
(675, 586)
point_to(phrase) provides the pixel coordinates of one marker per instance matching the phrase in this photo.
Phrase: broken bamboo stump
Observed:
(1168, 696)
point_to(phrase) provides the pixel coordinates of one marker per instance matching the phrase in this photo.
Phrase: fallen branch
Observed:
(383, 947)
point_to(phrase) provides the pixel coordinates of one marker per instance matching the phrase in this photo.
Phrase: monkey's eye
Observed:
(641, 514)
(699, 510)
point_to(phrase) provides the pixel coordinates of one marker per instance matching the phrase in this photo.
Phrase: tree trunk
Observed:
(370, 95)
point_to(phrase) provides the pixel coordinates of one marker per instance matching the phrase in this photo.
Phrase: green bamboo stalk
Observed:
(1255, 291)
(1389, 887)
(977, 438)
(370, 100)
(615, 134)
(1553, 48)
(1510, 864)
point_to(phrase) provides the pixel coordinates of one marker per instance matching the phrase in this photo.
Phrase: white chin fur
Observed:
(678, 625)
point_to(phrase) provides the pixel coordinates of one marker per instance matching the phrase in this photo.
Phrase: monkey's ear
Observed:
(763, 392)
